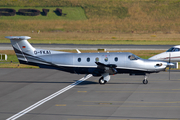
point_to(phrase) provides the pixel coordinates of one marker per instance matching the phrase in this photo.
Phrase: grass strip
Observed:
(94, 38)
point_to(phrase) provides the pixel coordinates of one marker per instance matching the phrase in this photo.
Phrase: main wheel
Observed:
(145, 81)
(101, 81)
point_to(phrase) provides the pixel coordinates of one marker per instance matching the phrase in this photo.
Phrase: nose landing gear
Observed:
(145, 81)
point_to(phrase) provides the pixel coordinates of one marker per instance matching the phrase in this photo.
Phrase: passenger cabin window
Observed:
(106, 59)
(173, 49)
(97, 59)
(88, 59)
(116, 59)
(79, 59)
(133, 57)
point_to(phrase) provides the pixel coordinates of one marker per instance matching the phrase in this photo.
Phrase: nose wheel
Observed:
(145, 81)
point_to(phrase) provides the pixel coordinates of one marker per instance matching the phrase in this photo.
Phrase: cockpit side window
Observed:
(133, 57)
(170, 50)
(173, 49)
(176, 49)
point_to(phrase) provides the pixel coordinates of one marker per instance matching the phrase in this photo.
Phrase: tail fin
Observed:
(27, 54)
(21, 47)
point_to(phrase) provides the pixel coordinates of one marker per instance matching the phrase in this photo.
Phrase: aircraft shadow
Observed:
(82, 83)
(125, 83)
(31, 82)
(91, 82)
(96, 116)
(88, 83)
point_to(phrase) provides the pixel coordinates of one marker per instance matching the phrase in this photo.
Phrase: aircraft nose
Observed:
(159, 64)
(164, 64)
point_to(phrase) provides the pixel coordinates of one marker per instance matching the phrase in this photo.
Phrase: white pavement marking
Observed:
(37, 104)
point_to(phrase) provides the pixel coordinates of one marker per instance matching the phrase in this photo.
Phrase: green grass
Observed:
(134, 42)
(137, 42)
(72, 13)
(94, 38)
(112, 17)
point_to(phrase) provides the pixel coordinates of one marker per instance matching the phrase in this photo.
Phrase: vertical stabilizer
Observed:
(21, 47)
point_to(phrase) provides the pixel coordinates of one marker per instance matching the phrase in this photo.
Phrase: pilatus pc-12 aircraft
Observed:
(98, 64)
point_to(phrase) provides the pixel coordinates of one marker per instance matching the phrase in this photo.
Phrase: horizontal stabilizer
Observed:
(18, 37)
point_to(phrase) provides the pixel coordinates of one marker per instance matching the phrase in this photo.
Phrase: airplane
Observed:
(171, 55)
(98, 64)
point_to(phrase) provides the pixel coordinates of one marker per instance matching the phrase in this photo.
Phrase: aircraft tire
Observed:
(101, 81)
(145, 81)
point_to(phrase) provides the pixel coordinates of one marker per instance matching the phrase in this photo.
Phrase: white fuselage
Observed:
(172, 55)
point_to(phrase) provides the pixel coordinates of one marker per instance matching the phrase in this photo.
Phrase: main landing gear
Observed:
(102, 81)
(145, 81)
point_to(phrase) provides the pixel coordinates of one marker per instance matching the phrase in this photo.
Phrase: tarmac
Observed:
(42, 94)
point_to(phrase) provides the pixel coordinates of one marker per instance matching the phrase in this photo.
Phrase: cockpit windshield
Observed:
(173, 49)
(133, 57)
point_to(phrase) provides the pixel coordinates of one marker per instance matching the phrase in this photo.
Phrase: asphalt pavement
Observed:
(124, 97)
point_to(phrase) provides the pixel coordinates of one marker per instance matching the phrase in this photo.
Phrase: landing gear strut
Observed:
(102, 81)
(145, 81)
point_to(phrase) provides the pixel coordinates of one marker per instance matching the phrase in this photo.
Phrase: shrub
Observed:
(28, 12)
(58, 12)
(45, 11)
(7, 12)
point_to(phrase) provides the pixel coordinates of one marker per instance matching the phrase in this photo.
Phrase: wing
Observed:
(107, 68)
